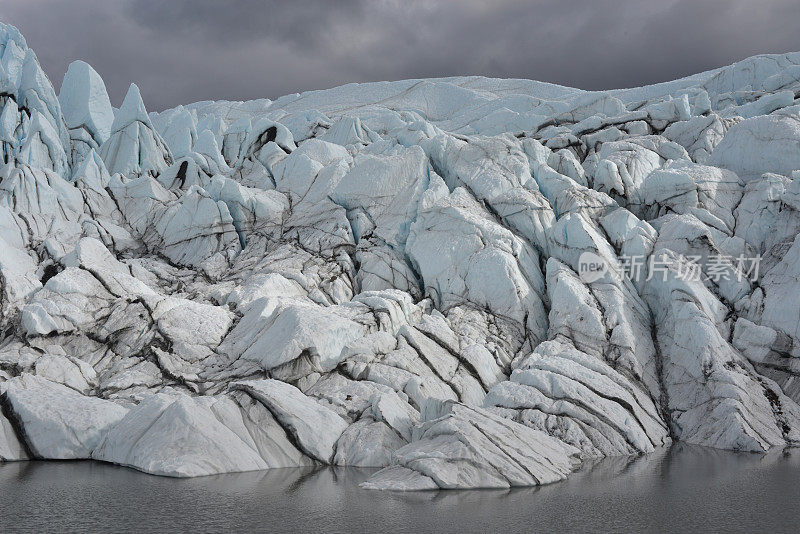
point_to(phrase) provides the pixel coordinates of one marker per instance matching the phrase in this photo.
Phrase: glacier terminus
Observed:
(390, 274)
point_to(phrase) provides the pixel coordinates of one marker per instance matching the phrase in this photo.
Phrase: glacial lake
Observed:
(683, 489)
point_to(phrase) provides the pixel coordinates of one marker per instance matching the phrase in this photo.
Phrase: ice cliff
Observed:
(393, 274)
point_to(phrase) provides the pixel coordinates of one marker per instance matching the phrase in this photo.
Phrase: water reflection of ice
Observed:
(682, 488)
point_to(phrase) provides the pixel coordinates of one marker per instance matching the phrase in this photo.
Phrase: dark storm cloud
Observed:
(181, 51)
(304, 24)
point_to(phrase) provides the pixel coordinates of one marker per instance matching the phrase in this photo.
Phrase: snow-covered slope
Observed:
(398, 274)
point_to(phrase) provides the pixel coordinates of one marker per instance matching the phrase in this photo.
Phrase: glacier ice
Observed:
(392, 274)
(87, 110)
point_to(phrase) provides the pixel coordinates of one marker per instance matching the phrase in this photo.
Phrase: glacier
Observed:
(392, 274)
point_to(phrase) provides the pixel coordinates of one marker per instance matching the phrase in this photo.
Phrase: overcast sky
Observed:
(181, 51)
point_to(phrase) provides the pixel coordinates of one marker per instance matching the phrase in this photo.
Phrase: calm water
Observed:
(680, 490)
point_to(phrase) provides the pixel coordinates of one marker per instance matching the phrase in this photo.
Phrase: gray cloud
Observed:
(186, 50)
(305, 25)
